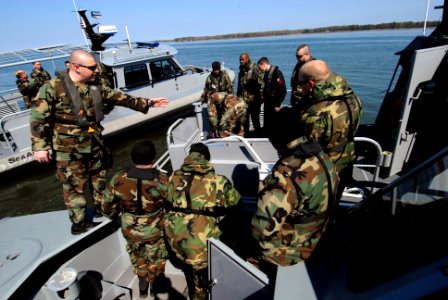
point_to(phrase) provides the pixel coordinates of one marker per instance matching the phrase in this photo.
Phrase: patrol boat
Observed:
(387, 240)
(139, 69)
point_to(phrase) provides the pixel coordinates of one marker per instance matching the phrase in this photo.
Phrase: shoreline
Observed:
(328, 29)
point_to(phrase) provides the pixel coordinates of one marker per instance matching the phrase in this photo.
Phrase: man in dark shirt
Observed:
(274, 90)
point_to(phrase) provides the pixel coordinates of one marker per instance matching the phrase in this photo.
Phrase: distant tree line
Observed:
(391, 25)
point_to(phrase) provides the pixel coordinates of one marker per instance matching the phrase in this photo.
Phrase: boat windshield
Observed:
(427, 183)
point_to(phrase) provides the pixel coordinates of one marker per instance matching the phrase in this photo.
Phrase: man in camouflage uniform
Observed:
(303, 54)
(28, 88)
(250, 83)
(38, 73)
(138, 194)
(294, 200)
(217, 81)
(226, 113)
(331, 116)
(274, 90)
(197, 199)
(65, 124)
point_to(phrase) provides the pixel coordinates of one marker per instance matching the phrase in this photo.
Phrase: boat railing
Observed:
(382, 159)
(163, 160)
(244, 141)
(11, 102)
(13, 126)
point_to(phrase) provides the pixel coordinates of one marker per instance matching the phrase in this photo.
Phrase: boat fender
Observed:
(76, 102)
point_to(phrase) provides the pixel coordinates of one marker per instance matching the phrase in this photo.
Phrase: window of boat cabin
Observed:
(164, 69)
(136, 75)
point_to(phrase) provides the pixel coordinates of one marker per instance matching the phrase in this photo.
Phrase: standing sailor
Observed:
(65, 125)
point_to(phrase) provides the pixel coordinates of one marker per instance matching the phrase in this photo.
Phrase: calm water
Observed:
(365, 59)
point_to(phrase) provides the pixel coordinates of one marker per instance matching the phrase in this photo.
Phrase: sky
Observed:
(31, 24)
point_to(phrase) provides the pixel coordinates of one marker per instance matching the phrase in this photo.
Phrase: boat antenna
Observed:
(426, 17)
(129, 38)
(80, 21)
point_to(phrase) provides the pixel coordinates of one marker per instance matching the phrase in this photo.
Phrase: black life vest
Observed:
(76, 102)
(140, 175)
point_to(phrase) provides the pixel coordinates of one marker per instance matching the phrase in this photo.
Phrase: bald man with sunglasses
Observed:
(65, 126)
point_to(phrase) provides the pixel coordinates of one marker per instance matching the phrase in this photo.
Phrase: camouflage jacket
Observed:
(250, 82)
(296, 89)
(223, 108)
(220, 83)
(41, 77)
(327, 119)
(53, 124)
(197, 184)
(29, 89)
(140, 225)
(292, 207)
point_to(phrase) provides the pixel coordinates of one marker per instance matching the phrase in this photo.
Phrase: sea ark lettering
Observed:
(21, 157)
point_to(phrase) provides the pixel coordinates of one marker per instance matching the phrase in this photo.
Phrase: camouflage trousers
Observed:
(148, 259)
(74, 171)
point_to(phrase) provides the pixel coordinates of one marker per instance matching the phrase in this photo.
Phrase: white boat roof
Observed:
(26, 242)
(25, 56)
(114, 56)
(111, 56)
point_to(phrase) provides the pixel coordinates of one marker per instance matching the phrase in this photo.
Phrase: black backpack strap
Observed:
(140, 175)
(213, 212)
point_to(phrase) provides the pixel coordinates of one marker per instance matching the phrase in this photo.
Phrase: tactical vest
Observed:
(76, 101)
(215, 212)
(140, 175)
(304, 151)
(270, 74)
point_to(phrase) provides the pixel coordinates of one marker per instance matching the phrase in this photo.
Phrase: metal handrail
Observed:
(162, 161)
(9, 139)
(379, 159)
(235, 138)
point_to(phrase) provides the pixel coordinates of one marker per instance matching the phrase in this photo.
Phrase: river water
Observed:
(365, 58)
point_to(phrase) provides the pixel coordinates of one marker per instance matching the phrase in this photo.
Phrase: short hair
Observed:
(216, 66)
(143, 153)
(304, 46)
(19, 73)
(201, 149)
(285, 128)
(263, 60)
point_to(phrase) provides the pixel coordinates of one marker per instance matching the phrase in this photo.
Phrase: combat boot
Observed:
(78, 228)
(143, 285)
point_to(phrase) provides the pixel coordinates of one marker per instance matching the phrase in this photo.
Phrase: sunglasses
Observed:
(91, 68)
